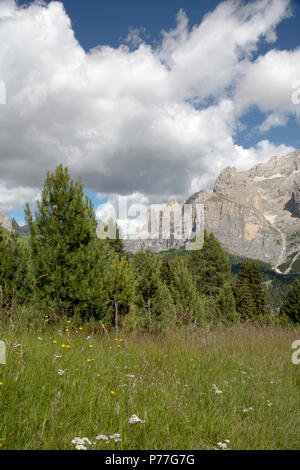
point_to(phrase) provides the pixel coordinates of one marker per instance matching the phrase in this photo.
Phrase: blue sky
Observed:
(111, 159)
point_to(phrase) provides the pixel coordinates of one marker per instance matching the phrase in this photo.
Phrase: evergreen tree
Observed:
(210, 266)
(249, 291)
(184, 292)
(121, 285)
(153, 296)
(117, 243)
(291, 303)
(166, 271)
(211, 271)
(69, 261)
(14, 269)
(244, 301)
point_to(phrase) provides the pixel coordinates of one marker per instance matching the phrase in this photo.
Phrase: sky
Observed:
(147, 100)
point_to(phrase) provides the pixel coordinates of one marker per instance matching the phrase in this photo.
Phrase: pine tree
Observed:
(69, 261)
(210, 266)
(120, 284)
(249, 284)
(14, 269)
(153, 295)
(117, 243)
(184, 292)
(291, 303)
(244, 301)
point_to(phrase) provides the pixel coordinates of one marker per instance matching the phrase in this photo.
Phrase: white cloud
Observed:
(151, 121)
(273, 120)
(15, 198)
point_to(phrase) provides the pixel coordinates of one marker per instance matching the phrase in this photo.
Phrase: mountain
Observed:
(254, 213)
(11, 224)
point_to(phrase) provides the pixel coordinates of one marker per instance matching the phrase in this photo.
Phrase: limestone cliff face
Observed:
(6, 222)
(254, 213)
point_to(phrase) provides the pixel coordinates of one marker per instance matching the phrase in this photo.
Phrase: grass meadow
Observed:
(235, 388)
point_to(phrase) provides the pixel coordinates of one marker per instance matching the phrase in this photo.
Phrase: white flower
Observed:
(130, 375)
(116, 437)
(81, 442)
(80, 447)
(269, 403)
(40, 339)
(222, 445)
(102, 437)
(88, 337)
(246, 410)
(60, 372)
(217, 391)
(135, 419)
(227, 440)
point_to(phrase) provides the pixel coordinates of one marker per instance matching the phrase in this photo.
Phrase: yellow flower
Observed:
(116, 339)
(76, 332)
(112, 393)
(51, 438)
(54, 341)
(67, 329)
(118, 346)
(186, 385)
(192, 358)
(93, 359)
(77, 369)
(63, 346)
(80, 328)
(68, 346)
(68, 321)
(88, 360)
(90, 346)
(110, 347)
(1, 445)
(121, 340)
(1, 383)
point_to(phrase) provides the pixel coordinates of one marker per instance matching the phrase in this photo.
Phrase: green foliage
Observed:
(211, 271)
(120, 285)
(153, 295)
(249, 292)
(291, 303)
(117, 243)
(14, 269)
(69, 261)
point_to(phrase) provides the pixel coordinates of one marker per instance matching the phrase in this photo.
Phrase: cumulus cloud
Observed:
(273, 120)
(139, 120)
(15, 198)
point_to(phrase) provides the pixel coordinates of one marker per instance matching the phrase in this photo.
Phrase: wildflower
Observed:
(68, 321)
(80, 443)
(130, 375)
(116, 437)
(1, 445)
(102, 437)
(217, 391)
(68, 346)
(54, 341)
(186, 385)
(110, 347)
(40, 339)
(118, 346)
(93, 359)
(88, 337)
(76, 332)
(116, 339)
(63, 346)
(67, 329)
(246, 410)
(77, 369)
(135, 419)
(1, 383)
(80, 328)
(90, 346)
(60, 372)
(112, 393)
(223, 445)
(192, 358)
(88, 360)
(121, 340)
(269, 403)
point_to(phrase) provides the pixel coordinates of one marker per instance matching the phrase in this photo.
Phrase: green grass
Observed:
(172, 389)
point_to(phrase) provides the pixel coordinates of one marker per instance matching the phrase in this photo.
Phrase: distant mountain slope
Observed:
(254, 213)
